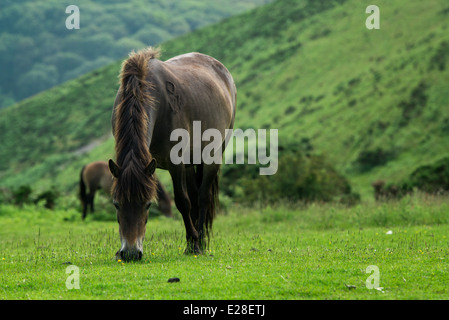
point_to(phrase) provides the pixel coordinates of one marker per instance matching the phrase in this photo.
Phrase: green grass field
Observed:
(373, 102)
(276, 253)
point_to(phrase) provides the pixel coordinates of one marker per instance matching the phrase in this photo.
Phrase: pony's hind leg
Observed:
(91, 201)
(88, 201)
(84, 203)
(182, 201)
(208, 195)
(192, 190)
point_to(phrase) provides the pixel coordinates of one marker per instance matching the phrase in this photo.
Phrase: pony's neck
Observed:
(151, 125)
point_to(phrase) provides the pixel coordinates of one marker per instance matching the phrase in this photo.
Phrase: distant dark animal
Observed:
(96, 175)
(155, 98)
(384, 192)
(93, 176)
(378, 187)
(49, 196)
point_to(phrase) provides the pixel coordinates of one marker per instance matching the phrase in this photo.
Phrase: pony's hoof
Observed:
(193, 249)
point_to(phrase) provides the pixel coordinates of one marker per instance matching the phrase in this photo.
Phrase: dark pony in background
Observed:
(154, 99)
(97, 176)
(93, 177)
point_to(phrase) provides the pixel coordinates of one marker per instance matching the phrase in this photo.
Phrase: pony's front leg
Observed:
(182, 201)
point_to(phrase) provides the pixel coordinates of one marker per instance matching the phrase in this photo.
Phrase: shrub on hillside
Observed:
(415, 104)
(21, 195)
(369, 159)
(299, 177)
(432, 179)
(441, 56)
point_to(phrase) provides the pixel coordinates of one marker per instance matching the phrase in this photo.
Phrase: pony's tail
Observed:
(214, 205)
(82, 194)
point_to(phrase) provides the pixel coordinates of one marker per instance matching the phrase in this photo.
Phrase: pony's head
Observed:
(134, 186)
(133, 191)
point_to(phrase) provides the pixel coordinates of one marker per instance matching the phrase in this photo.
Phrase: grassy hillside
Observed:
(37, 51)
(375, 102)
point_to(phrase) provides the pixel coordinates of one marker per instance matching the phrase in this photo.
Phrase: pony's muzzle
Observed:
(130, 252)
(130, 255)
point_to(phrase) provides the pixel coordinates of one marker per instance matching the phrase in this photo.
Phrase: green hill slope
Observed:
(37, 51)
(375, 102)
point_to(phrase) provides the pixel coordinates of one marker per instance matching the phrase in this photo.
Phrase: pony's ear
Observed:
(149, 170)
(115, 170)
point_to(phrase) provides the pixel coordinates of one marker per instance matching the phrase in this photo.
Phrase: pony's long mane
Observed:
(131, 127)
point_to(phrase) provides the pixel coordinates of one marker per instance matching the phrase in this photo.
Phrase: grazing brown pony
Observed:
(156, 97)
(96, 175)
(93, 176)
